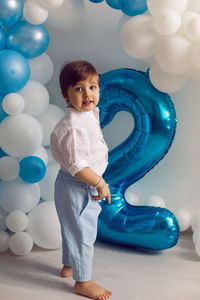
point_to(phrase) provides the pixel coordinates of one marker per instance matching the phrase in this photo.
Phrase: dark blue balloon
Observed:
(133, 7)
(96, 1)
(114, 4)
(29, 40)
(32, 169)
(2, 153)
(2, 39)
(10, 12)
(154, 130)
(14, 71)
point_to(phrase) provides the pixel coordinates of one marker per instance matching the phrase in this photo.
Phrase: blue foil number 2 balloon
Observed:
(154, 130)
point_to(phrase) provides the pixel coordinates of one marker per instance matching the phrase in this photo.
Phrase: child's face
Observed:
(84, 96)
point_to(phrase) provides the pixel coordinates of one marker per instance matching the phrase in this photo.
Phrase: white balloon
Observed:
(167, 22)
(50, 3)
(9, 168)
(195, 222)
(34, 13)
(66, 15)
(196, 235)
(191, 25)
(173, 54)
(48, 120)
(19, 195)
(4, 241)
(20, 135)
(155, 200)
(43, 154)
(21, 243)
(131, 197)
(197, 247)
(184, 218)
(47, 183)
(13, 104)
(165, 82)
(51, 159)
(17, 221)
(36, 98)
(194, 5)
(3, 216)
(138, 36)
(41, 68)
(44, 226)
(155, 6)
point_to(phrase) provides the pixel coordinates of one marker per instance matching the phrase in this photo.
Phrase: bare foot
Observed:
(66, 272)
(92, 290)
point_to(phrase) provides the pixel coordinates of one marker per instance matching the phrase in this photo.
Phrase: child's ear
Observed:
(65, 96)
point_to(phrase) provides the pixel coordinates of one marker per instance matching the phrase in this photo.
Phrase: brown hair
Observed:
(73, 72)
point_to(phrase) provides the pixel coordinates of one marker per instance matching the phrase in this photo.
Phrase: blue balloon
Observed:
(2, 153)
(96, 1)
(114, 4)
(154, 130)
(32, 169)
(29, 40)
(3, 114)
(2, 39)
(11, 12)
(14, 71)
(133, 7)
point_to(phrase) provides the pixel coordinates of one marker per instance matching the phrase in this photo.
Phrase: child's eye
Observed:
(93, 87)
(78, 89)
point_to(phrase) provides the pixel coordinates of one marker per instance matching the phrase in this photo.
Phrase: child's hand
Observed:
(103, 193)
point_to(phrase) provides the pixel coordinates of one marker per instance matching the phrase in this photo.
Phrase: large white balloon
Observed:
(41, 68)
(50, 3)
(43, 154)
(155, 6)
(17, 221)
(66, 15)
(173, 54)
(36, 98)
(48, 120)
(9, 168)
(20, 135)
(165, 82)
(13, 104)
(19, 195)
(155, 200)
(167, 22)
(34, 13)
(21, 243)
(138, 36)
(47, 183)
(44, 226)
(3, 216)
(4, 241)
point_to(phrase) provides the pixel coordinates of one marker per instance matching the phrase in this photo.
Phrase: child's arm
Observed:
(90, 177)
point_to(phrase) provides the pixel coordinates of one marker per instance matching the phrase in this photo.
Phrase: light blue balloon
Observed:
(11, 12)
(3, 114)
(29, 40)
(32, 169)
(2, 39)
(133, 7)
(154, 130)
(14, 71)
(114, 4)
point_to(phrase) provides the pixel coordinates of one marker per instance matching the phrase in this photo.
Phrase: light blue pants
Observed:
(78, 214)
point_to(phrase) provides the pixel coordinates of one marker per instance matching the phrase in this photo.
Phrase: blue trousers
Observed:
(78, 214)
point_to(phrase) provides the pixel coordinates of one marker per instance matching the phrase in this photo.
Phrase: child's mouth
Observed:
(87, 102)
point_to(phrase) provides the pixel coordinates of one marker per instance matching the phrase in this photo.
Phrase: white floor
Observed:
(131, 275)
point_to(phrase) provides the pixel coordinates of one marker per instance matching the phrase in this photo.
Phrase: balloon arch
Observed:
(27, 170)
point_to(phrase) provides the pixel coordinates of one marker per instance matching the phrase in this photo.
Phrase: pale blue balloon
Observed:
(2, 39)
(153, 133)
(14, 71)
(133, 7)
(11, 12)
(114, 4)
(29, 40)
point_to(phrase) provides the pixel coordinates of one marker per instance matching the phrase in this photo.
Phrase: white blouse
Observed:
(77, 142)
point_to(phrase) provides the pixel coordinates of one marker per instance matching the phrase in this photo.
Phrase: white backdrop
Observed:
(96, 38)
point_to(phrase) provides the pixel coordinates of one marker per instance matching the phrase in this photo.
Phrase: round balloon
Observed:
(10, 12)
(4, 241)
(13, 104)
(133, 7)
(2, 39)
(32, 169)
(27, 39)
(9, 168)
(14, 71)
(21, 243)
(34, 13)
(17, 221)
(114, 4)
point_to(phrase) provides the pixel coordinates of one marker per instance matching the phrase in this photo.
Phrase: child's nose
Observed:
(87, 93)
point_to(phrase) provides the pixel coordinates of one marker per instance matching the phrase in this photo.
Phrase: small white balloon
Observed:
(21, 243)
(36, 98)
(155, 6)
(19, 195)
(43, 154)
(138, 36)
(41, 68)
(34, 13)
(191, 25)
(9, 168)
(13, 104)
(3, 216)
(155, 200)
(167, 22)
(44, 226)
(173, 54)
(165, 82)
(47, 183)
(131, 197)
(184, 218)
(48, 120)
(20, 135)
(4, 241)
(17, 221)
